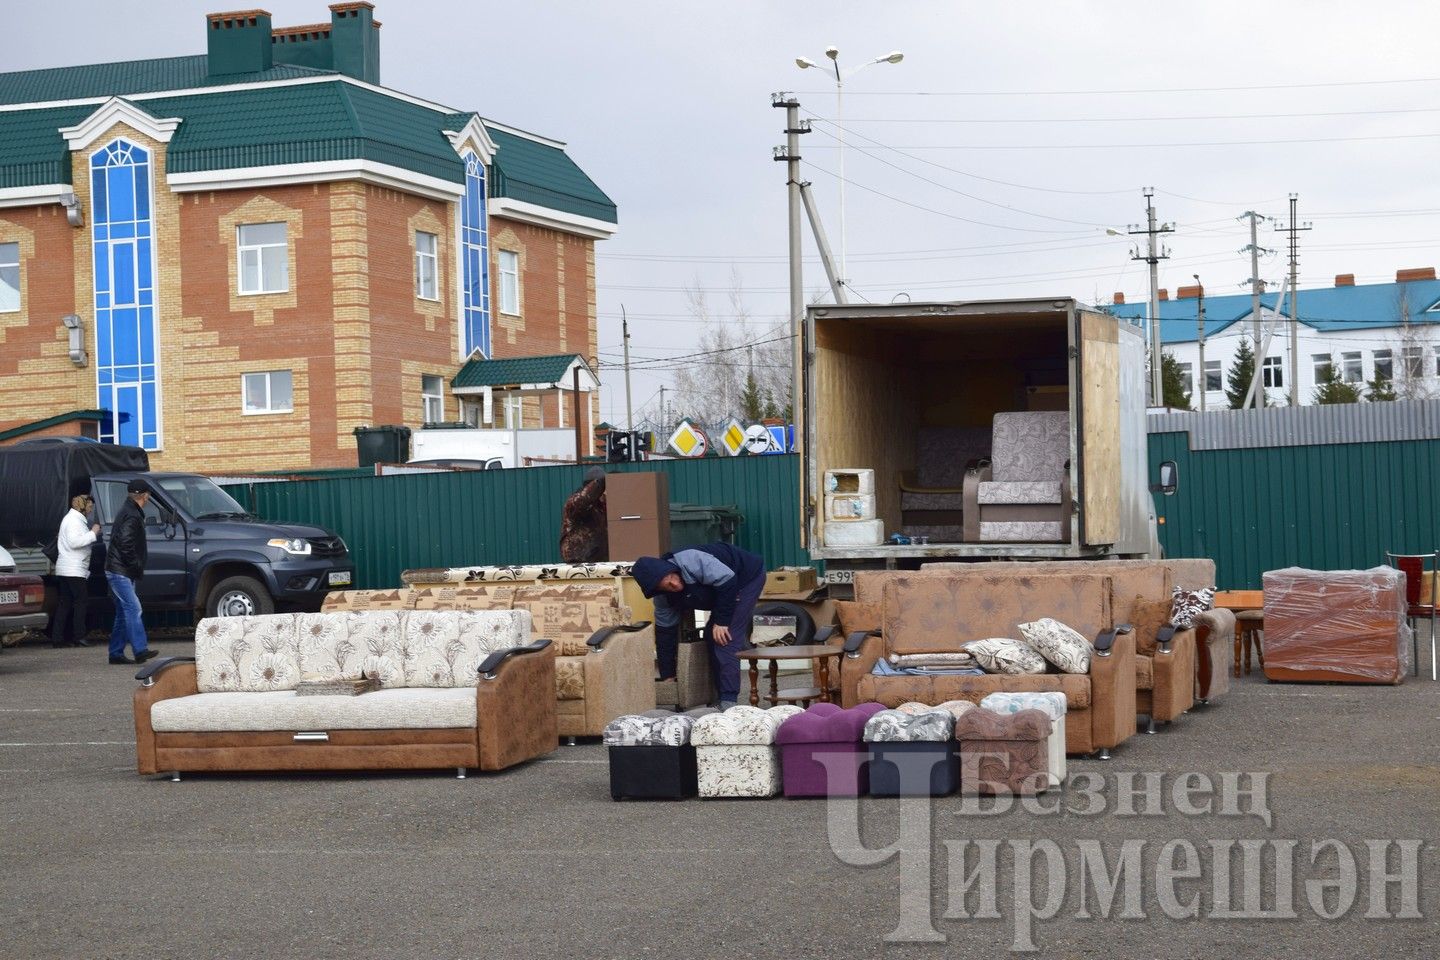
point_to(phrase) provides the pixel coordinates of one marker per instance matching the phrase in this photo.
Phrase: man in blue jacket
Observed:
(717, 577)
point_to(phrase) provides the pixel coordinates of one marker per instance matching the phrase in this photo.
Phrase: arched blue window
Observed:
(126, 373)
(475, 259)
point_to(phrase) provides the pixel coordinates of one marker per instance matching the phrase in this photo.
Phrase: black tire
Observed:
(804, 623)
(241, 596)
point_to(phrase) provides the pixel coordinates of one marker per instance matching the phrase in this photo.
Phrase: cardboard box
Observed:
(790, 580)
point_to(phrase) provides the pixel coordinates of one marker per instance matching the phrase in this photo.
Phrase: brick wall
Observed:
(37, 379)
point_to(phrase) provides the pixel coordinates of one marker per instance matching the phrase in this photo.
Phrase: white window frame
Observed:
(1217, 368)
(1412, 361)
(1272, 372)
(1346, 359)
(424, 258)
(1187, 376)
(268, 410)
(1385, 358)
(258, 249)
(510, 282)
(426, 398)
(7, 261)
(1320, 362)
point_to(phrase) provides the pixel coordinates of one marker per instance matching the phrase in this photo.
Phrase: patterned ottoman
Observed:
(651, 757)
(1053, 706)
(822, 753)
(912, 752)
(1004, 752)
(735, 752)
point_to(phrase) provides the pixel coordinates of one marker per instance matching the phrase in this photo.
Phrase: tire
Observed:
(239, 597)
(804, 623)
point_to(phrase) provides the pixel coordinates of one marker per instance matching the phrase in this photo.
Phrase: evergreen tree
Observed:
(752, 401)
(1380, 389)
(1172, 383)
(1238, 377)
(1329, 388)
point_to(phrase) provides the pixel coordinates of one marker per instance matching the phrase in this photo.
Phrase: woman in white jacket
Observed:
(72, 574)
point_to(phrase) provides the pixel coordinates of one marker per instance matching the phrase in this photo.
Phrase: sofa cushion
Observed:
(1020, 491)
(570, 678)
(897, 726)
(926, 612)
(637, 730)
(353, 645)
(857, 617)
(893, 691)
(1003, 655)
(446, 648)
(344, 601)
(742, 724)
(1144, 672)
(1030, 444)
(1192, 573)
(247, 653)
(400, 709)
(469, 596)
(1147, 617)
(1068, 650)
(1187, 605)
(569, 614)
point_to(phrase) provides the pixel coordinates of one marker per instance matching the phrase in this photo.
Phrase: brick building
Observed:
(239, 257)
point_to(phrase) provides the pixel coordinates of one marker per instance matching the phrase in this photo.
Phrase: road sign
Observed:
(733, 438)
(689, 440)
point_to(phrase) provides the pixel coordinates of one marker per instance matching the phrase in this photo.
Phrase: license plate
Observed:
(839, 576)
(340, 578)
(9, 596)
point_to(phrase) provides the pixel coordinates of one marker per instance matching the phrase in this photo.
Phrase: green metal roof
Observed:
(130, 77)
(538, 173)
(55, 421)
(511, 371)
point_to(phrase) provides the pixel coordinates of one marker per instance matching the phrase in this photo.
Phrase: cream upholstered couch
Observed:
(457, 689)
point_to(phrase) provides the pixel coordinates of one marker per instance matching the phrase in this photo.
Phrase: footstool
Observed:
(651, 757)
(1053, 706)
(735, 751)
(822, 753)
(1004, 753)
(912, 752)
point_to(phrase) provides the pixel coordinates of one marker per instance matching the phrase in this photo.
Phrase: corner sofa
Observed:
(461, 690)
(939, 611)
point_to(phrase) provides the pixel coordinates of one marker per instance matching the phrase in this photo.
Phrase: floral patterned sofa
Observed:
(458, 689)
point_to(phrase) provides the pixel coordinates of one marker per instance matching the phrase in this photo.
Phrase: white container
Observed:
(850, 480)
(850, 506)
(854, 533)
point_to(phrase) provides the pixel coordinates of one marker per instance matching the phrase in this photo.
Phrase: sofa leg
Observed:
(569, 741)
(174, 776)
(459, 773)
(1203, 701)
(1149, 724)
(1103, 753)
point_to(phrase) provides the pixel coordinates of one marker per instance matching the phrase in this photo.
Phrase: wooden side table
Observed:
(1249, 607)
(773, 655)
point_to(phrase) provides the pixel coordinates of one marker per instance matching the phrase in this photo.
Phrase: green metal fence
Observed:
(1326, 507)
(513, 516)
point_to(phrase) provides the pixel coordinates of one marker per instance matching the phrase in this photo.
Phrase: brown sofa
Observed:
(458, 690)
(941, 610)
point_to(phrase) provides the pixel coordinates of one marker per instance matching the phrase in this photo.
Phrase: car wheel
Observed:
(239, 597)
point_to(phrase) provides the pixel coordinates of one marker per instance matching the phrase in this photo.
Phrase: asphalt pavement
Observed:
(98, 862)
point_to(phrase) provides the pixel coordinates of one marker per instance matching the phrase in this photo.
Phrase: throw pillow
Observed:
(857, 617)
(1186, 605)
(1148, 616)
(961, 660)
(1003, 655)
(1062, 646)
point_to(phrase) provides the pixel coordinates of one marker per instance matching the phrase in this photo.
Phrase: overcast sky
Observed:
(987, 164)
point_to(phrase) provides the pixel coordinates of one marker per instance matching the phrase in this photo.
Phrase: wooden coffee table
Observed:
(815, 651)
(1252, 604)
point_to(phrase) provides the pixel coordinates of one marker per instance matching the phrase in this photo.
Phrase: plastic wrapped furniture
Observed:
(912, 753)
(1004, 753)
(735, 751)
(1343, 626)
(651, 757)
(822, 753)
(1050, 704)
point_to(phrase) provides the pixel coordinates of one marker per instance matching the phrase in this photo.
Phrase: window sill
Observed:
(427, 299)
(262, 293)
(507, 313)
(266, 413)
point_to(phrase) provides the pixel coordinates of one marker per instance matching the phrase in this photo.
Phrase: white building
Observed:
(1386, 329)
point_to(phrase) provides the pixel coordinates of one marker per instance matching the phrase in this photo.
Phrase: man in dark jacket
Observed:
(124, 565)
(584, 530)
(717, 577)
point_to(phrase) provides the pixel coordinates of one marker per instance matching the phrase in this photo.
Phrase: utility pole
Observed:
(1204, 380)
(790, 155)
(625, 336)
(1153, 256)
(1294, 230)
(1257, 286)
(664, 423)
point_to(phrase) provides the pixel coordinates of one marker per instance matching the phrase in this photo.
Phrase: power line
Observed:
(1139, 146)
(928, 121)
(1128, 90)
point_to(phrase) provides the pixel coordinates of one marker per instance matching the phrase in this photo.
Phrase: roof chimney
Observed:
(1416, 273)
(238, 42)
(1344, 279)
(1164, 294)
(355, 40)
(1187, 293)
(1119, 296)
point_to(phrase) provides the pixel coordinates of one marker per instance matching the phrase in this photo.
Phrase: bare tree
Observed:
(711, 385)
(1412, 347)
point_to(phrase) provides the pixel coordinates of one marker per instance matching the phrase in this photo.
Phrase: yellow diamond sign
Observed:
(688, 441)
(733, 439)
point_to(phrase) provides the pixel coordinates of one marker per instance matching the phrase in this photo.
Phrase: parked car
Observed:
(22, 601)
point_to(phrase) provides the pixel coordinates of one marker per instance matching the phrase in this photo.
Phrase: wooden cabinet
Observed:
(637, 506)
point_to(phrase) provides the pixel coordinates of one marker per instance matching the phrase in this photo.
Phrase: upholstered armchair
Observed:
(1023, 494)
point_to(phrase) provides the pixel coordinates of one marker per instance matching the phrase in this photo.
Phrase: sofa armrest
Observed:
(856, 640)
(1105, 639)
(515, 705)
(597, 640)
(491, 664)
(975, 475)
(1112, 688)
(149, 670)
(861, 651)
(1164, 638)
(619, 676)
(1172, 689)
(1214, 652)
(178, 680)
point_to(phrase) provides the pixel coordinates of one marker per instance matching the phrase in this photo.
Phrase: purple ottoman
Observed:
(1004, 753)
(828, 732)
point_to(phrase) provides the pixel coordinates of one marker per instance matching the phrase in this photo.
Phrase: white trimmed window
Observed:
(1351, 368)
(268, 392)
(1384, 365)
(1273, 372)
(9, 277)
(1213, 376)
(1187, 377)
(264, 258)
(1321, 361)
(509, 282)
(427, 266)
(432, 396)
(1414, 360)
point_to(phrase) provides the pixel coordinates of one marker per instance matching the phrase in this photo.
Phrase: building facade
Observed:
(1389, 331)
(240, 257)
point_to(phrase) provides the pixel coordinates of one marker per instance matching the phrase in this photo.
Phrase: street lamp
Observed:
(804, 63)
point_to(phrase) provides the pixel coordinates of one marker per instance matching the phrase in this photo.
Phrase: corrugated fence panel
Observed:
(513, 516)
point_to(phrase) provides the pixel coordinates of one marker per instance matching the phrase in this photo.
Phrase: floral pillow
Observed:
(1187, 605)
(1068, 649)
(1003, 655)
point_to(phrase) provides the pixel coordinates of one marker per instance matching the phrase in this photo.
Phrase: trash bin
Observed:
(387, 444)
(693, 524)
